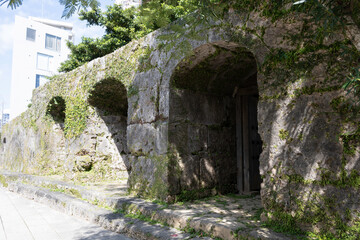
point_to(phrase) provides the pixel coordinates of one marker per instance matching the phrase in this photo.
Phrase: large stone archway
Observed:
(213, 121)
(191, 123)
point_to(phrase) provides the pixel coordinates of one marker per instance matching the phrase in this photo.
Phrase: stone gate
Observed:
(235, 105)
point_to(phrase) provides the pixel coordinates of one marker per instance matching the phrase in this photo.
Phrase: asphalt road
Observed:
(24, 219)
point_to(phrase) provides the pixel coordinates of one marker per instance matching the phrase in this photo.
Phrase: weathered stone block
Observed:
(147, 138)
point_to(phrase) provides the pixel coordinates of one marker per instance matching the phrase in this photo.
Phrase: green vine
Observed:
(76, 116)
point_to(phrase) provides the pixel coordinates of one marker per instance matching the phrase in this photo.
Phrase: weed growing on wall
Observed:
(76, 116)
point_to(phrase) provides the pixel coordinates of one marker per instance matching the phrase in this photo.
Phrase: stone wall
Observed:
(309, 163)
(202, 130)
(88, 141)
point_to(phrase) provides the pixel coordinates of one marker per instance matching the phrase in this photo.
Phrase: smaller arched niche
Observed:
(110, 97)
(56, 109)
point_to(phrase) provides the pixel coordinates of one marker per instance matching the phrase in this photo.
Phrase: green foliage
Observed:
(311, 212)
(194, 233)
(159, 13)
(308, 90)
(191, 195)
(76, 117)
(353, 85)
(349, 141)
(11, 3)
(133, 90)
(140, 216)
(283, 222)
(70, 6)
(3, 181)
(330, 13)
(283, 134)
(120, 28)
(257, 215)
(326, 13)
(55, 188)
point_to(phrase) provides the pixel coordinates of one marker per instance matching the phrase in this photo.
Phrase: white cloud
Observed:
(6, 37)
(83, 31)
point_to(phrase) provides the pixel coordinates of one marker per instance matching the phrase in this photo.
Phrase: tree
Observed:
(70, 6)
(122, 26)
(11, 3)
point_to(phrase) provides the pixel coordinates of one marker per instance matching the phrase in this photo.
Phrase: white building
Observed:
(128, 3)
(39, 48)
(4, 117)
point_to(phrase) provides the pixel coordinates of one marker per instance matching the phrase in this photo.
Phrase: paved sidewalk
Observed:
(24, 219)
(220, 217)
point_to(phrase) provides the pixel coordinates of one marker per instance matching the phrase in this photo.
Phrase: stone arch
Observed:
(213, 121)
(56, 109)
(110, 100)
(109, 96)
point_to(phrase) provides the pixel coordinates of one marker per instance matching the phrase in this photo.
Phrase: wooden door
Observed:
(255, 144)
(248, 142)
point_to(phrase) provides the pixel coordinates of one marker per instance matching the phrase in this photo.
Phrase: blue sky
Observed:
(50, 9)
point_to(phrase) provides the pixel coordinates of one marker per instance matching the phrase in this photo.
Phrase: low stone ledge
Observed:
(176, 218)
(105, 218)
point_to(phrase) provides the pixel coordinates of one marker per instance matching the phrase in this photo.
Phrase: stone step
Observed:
(190, 220)
(105, 218)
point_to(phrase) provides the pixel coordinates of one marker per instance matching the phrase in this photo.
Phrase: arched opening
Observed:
(213, 120)
(56, 109)
(109, 98)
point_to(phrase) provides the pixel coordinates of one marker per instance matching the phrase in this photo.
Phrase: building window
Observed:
(44, 62)
(30, 34)
(52, 42)
(40, 80)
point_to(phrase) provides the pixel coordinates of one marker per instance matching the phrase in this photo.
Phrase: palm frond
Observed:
(70, 6)
(11, 3)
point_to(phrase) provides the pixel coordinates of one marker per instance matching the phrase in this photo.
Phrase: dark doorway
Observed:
(213, 121)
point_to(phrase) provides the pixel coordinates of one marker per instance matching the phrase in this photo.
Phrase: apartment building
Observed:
(5, 117)
(38, 49)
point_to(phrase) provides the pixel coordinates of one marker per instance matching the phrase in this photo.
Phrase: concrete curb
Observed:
(107, 219)
(178, 219)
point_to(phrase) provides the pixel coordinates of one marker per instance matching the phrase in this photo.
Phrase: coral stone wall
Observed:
(202, 130)
(309, 163)
(82, 140)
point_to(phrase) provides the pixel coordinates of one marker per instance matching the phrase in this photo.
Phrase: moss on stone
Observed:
(3, 181)
(283, 134)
